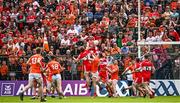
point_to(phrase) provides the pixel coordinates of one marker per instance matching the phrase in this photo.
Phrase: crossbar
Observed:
(159, 43)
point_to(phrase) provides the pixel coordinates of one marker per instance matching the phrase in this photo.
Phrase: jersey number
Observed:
(36, 60)
(55, 66)
(147, 68)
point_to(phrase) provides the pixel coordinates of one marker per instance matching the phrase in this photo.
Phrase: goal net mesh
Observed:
(165, 56)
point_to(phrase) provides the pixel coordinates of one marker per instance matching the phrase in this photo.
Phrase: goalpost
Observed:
(140, 44)
(148, 43)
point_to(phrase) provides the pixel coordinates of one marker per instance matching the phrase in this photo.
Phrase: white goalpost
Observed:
(139, 27)
(140, 44)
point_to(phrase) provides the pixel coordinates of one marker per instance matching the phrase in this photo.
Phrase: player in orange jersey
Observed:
(94, 71)
(55, 69)
(113, 69)
(36, 68)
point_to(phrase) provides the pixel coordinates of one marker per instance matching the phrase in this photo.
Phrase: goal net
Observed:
(165, 56)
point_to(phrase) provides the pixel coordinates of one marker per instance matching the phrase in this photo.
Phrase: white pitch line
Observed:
(91, 102)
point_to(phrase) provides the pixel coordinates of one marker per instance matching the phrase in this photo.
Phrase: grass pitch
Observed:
(75, 99)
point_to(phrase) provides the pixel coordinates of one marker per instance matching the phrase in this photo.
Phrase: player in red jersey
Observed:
(113, 69)
(54, 69)
(85, 56)
(137, 76)
(36, 68)
(147, 69)
(103, 73)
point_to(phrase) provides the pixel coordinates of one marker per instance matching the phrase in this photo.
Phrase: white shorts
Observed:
(113, 80)
(35, 76)
(49, 85)
(95, 75)
(56, 77)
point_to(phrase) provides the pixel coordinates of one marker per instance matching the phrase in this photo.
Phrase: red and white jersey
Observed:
(84, 54)
(94, 50)
(147, 67)
(90, 43)
(103, 63)
(137, 67)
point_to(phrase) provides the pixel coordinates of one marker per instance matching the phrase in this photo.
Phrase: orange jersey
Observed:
(35, 63)
(114, 75)
(54, 67)
(95, 64)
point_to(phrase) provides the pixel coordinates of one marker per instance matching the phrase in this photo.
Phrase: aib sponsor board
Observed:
(77, 88)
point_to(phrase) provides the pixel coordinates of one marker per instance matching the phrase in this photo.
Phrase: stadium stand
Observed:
(70, 24)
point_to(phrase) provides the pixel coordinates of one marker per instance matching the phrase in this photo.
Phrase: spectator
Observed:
(115, 49)
(72, 31)
(24, 69)
(4, 70)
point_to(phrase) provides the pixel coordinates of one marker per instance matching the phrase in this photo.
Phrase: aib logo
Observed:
(7, 89)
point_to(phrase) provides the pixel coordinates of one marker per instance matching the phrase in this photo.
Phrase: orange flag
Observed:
(45, 44)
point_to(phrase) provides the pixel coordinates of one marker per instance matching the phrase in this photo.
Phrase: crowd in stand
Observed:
(70, 24)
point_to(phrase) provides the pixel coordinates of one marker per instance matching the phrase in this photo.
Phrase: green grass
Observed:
(160, 99)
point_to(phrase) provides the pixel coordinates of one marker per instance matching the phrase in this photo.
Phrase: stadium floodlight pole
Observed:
(139, 27)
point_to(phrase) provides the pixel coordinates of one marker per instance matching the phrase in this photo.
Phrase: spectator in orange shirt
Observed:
(4, 71)
(115, 50)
